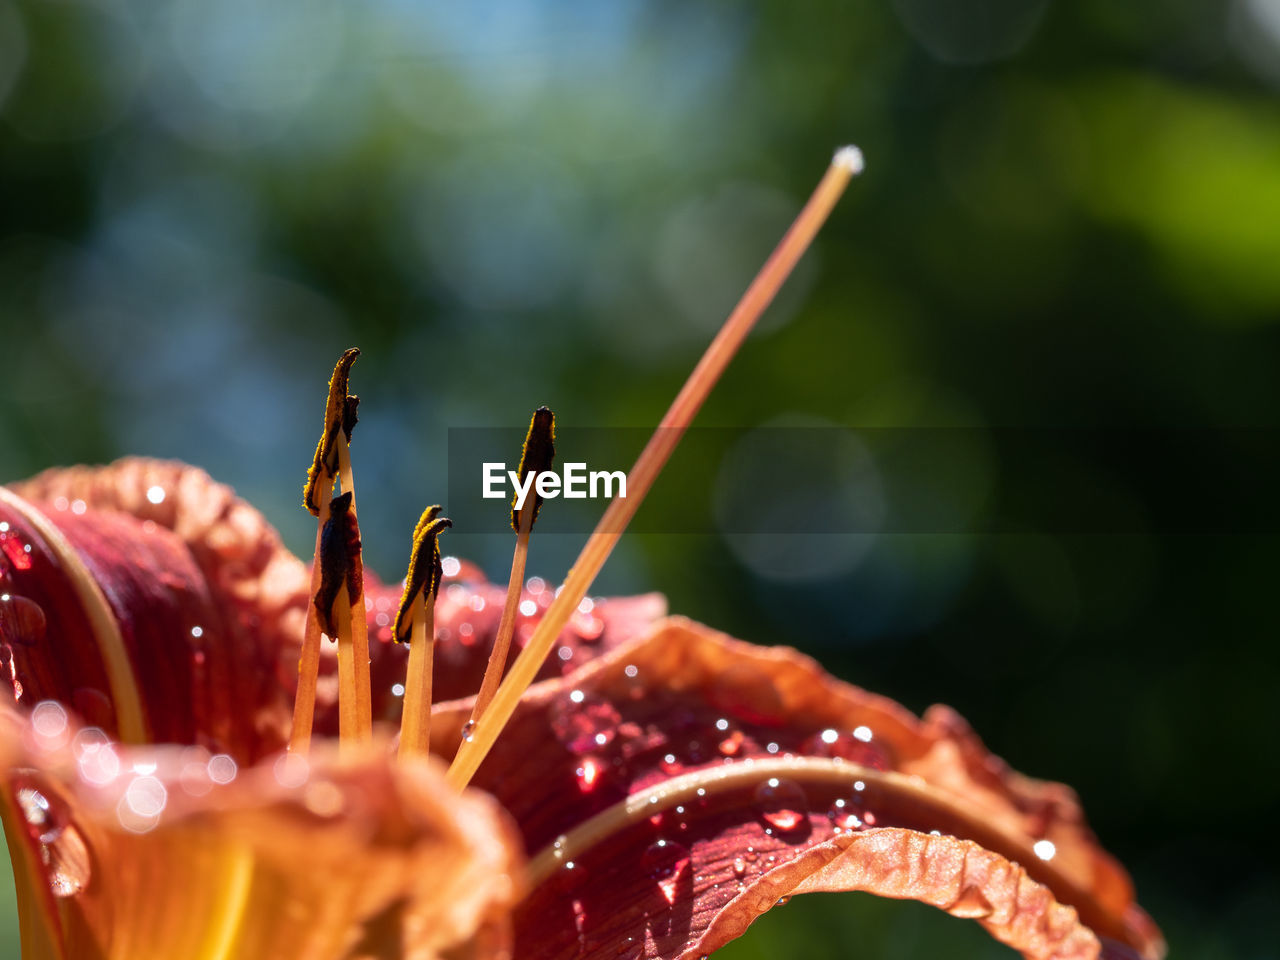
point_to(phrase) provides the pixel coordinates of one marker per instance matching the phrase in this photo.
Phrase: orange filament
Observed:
(356, 631)
(415, 621)
(304, 703)
(846, 163)
(415, 721)
(536, 457)
(507, 625)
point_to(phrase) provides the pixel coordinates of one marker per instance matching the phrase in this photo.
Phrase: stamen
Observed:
(538, 455)
(341, 591)
(415, 623)
(844, 165)
(339, 419)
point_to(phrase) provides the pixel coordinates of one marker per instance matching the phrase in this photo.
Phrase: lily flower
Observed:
(647, 792)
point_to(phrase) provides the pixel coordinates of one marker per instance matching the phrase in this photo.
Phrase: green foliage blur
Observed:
(1070, 218)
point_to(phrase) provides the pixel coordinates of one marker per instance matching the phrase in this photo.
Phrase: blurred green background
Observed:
(1070, 218)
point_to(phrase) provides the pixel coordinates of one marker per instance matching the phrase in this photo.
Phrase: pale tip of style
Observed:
(850, 158)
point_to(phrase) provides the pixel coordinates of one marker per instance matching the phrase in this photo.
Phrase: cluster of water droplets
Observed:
(636, 741)
(22, 621)
(467, 616)
(62, 848)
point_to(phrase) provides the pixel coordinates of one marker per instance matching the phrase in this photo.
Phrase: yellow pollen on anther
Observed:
(332, 460)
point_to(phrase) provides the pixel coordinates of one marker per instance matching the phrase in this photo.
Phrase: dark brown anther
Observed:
(340, 561)
(425, 572)
(349, 417)
(339, 414)
(538, 455)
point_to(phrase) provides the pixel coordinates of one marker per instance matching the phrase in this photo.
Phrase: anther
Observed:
(339, 415)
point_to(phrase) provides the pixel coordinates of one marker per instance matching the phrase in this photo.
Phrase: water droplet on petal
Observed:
(19, 553)
(782, 804)
(35, 809)
(667, 862)
(856, 747)
(843, 815)
(739, 867)
(10, 669)
(22, 621)
(67, 856)
(62, 847)
(731, 745)
(588, 775)
(586, 725)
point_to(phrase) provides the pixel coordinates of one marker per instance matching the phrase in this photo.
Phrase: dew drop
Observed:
(739, 867)
(588, 775)
(782, 804)
(468, 731)
(731, 745)
(35, 809)
(10, 669)
(67, 856)
(62, 847)
(19, 553)
(22, 621)
(584, 725)
(666, 862)
(844, 816)
(856, 747)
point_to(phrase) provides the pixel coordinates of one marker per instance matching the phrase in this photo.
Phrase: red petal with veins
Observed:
(809, 784)
(467, 615)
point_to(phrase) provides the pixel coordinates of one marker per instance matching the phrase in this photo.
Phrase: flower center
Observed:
(336, 579)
